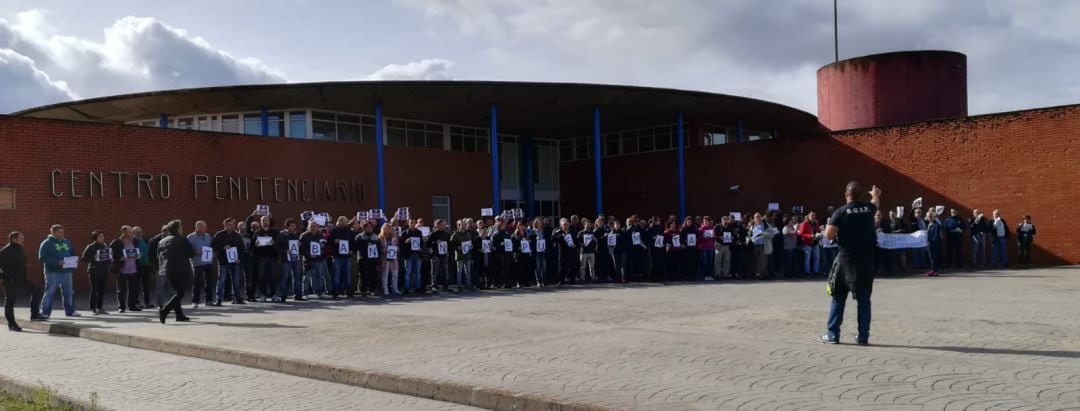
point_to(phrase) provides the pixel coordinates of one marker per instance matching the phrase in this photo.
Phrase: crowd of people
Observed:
(256, 261)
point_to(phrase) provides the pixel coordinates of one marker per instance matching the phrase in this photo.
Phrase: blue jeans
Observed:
(540, 269)
(64, 282)
(828, 255)
(315, 277)
(978, 250)
(412, 272)
(708, 263)
(291, 269)
(919, 257)
(265, 270)
(341, 282)
(230, 272)
(836, 313)
(935, 255)
(811, 259)
(997, 252)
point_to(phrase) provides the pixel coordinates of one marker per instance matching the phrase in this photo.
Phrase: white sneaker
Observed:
(276, 300)
(75, 314)
(195, 306)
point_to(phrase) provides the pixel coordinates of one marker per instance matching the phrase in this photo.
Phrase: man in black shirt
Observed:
(852, 227)
(174, 258)
(13, 268)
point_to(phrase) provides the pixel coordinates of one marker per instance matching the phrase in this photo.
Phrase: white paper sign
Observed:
(899, 211)
(612, 239)
(362, 215)
(414, 243)
(232, 255)
(586, 239)
(315, 249)
(658, 241)
(319, 219)
(635, 238)
(487, 212)
(939, 210)
(294, 250)
(485, 246)
(727, 237)
(774, 206)
(207, 255)
(691, 240)
(710, 233)
(508, 245)
(917, 203)
(376, 214)
(391, 252)
(402, 214)
(424, 231)
(526, 247)
(675, 240)
(442, 247)
(130, 252)
(262, 209)
(466, 247)
(373, 251)
(569, 240)
(104, 254)
(541, 245)
(737, 216)
(898, 241)
(71, 262)
(343, 247)
(263, 241)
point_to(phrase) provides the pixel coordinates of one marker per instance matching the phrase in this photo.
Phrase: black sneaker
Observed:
(825, 338)
(38, 318)
(135, 310)
(860, 342)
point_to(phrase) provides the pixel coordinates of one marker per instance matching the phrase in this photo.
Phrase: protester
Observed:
(439, 243)
(539, 239)
(145, 276)
(160, 285)
(852, 227)
(882, 256)
(52, 254)
(174, 254)
(954, 234)
(1025, 236)
(587, 253)
(567, 251)
(999, 233)
(13, 272)
(461, 242)
(933, 239)
(411, 240)
(809, 239)
(309, 245)
(202, 266)
(388, 256)
(125, 265)
(266, 257)
(790, 233)
(918, 223)
(227, 245)
(342, 237)
(98, 258)
(368, 256)
(978, 229)
(707, 248)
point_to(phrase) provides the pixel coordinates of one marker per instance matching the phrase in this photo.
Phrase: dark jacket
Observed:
(89, 256)
(498, 242)
(559, 237)
(952, 223)
(363, 241)
(406, 242)
(117, 247)
(305, 244)
(435, 238)
(268, 251)
(1025, 237)
(174, 255)
(152, 249)
(594, 238)
(226, 238)
(993, 231)
(345, 234)
(13, 262)
(977, 225)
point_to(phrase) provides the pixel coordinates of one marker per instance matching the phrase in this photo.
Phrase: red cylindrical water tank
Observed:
(892, 88)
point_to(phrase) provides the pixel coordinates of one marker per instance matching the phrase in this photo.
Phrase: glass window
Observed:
(754, 136)
(395, 137)
(715, 135)
(253, 124)
(349, 132)
(630, 141)
(611, 144)
(277, 123)
(186, 123)
(367, 134)
(323, 130)
(566, 150)
(324, 116)
(206, 123)
(440, 208)
(298, 124)
(645, 144)
(230, 123)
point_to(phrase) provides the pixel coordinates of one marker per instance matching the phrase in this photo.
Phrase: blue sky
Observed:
(1021, 54)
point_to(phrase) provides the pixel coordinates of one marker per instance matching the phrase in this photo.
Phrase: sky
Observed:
(1021, 54)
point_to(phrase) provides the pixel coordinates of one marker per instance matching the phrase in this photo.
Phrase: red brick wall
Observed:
(34, 147)
(1022, 163)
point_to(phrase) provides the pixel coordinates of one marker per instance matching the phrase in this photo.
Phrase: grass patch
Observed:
(41, 399)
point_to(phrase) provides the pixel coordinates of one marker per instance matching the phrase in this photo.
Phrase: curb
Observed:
(26, 391)
(439, 390)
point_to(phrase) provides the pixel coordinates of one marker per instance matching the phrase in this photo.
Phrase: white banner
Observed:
(898, 241)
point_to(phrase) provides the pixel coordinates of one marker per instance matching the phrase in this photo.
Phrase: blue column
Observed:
(527, 187)
(163, 122)
(381, 178)
(738, 132)
(496, 192)
(596, 161)
(264, 118)
(682, 168)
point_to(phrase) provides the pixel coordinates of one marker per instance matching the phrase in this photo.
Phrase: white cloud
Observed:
(24, 84)
(137, 54)
(426, 69)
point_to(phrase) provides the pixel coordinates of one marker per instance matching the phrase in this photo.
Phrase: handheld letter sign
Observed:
(362, 215)
(402, 214)
(391, 252)
(658, 241)
(518, 213)
(343, 247)
(487, 212)
(691, 240)
(939, 210)
(294, 250)
(569, 240)
(612, 239)
(710, 234)
(586, 239)
(797, 209)
(306, 215)
(232, 255)
(525, 247)
(737, 216)
(262, 209)
(263, 241)
(508, 245)
(414, 244)
(635, 238)
(442, 247)
(774, 206)
(373, 251)
(103, 254)
(424, 231)
(207, 255)
(917, 203)
(727, 237)
(376, 214)
(900, 211)
(485, 246)
(541, 245)
(71, 262)
(466, 247)
(131, 252)
(316, 249)
(319, 219)
(675, 240)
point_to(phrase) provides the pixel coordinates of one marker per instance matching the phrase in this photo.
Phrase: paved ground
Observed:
(130, 379)
(986, 340)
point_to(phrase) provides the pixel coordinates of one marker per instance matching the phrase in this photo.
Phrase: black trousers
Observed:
(369, 281)
(567, 266)
(953, 250)
(178, 282)
(204, 283)
(11, 289)
(127, 290)
(98, 282)
(146, 281)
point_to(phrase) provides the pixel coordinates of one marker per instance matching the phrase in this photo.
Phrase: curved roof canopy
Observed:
(551, 110)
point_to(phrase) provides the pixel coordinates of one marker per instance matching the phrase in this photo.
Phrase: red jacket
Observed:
(806, 232)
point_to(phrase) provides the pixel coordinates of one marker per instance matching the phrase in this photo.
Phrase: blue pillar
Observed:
(596, 161)
(682, 168)
(496, 192)
(163, 122)
(739, 132)
(264, 118)
(380, 177)
(527, 186)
